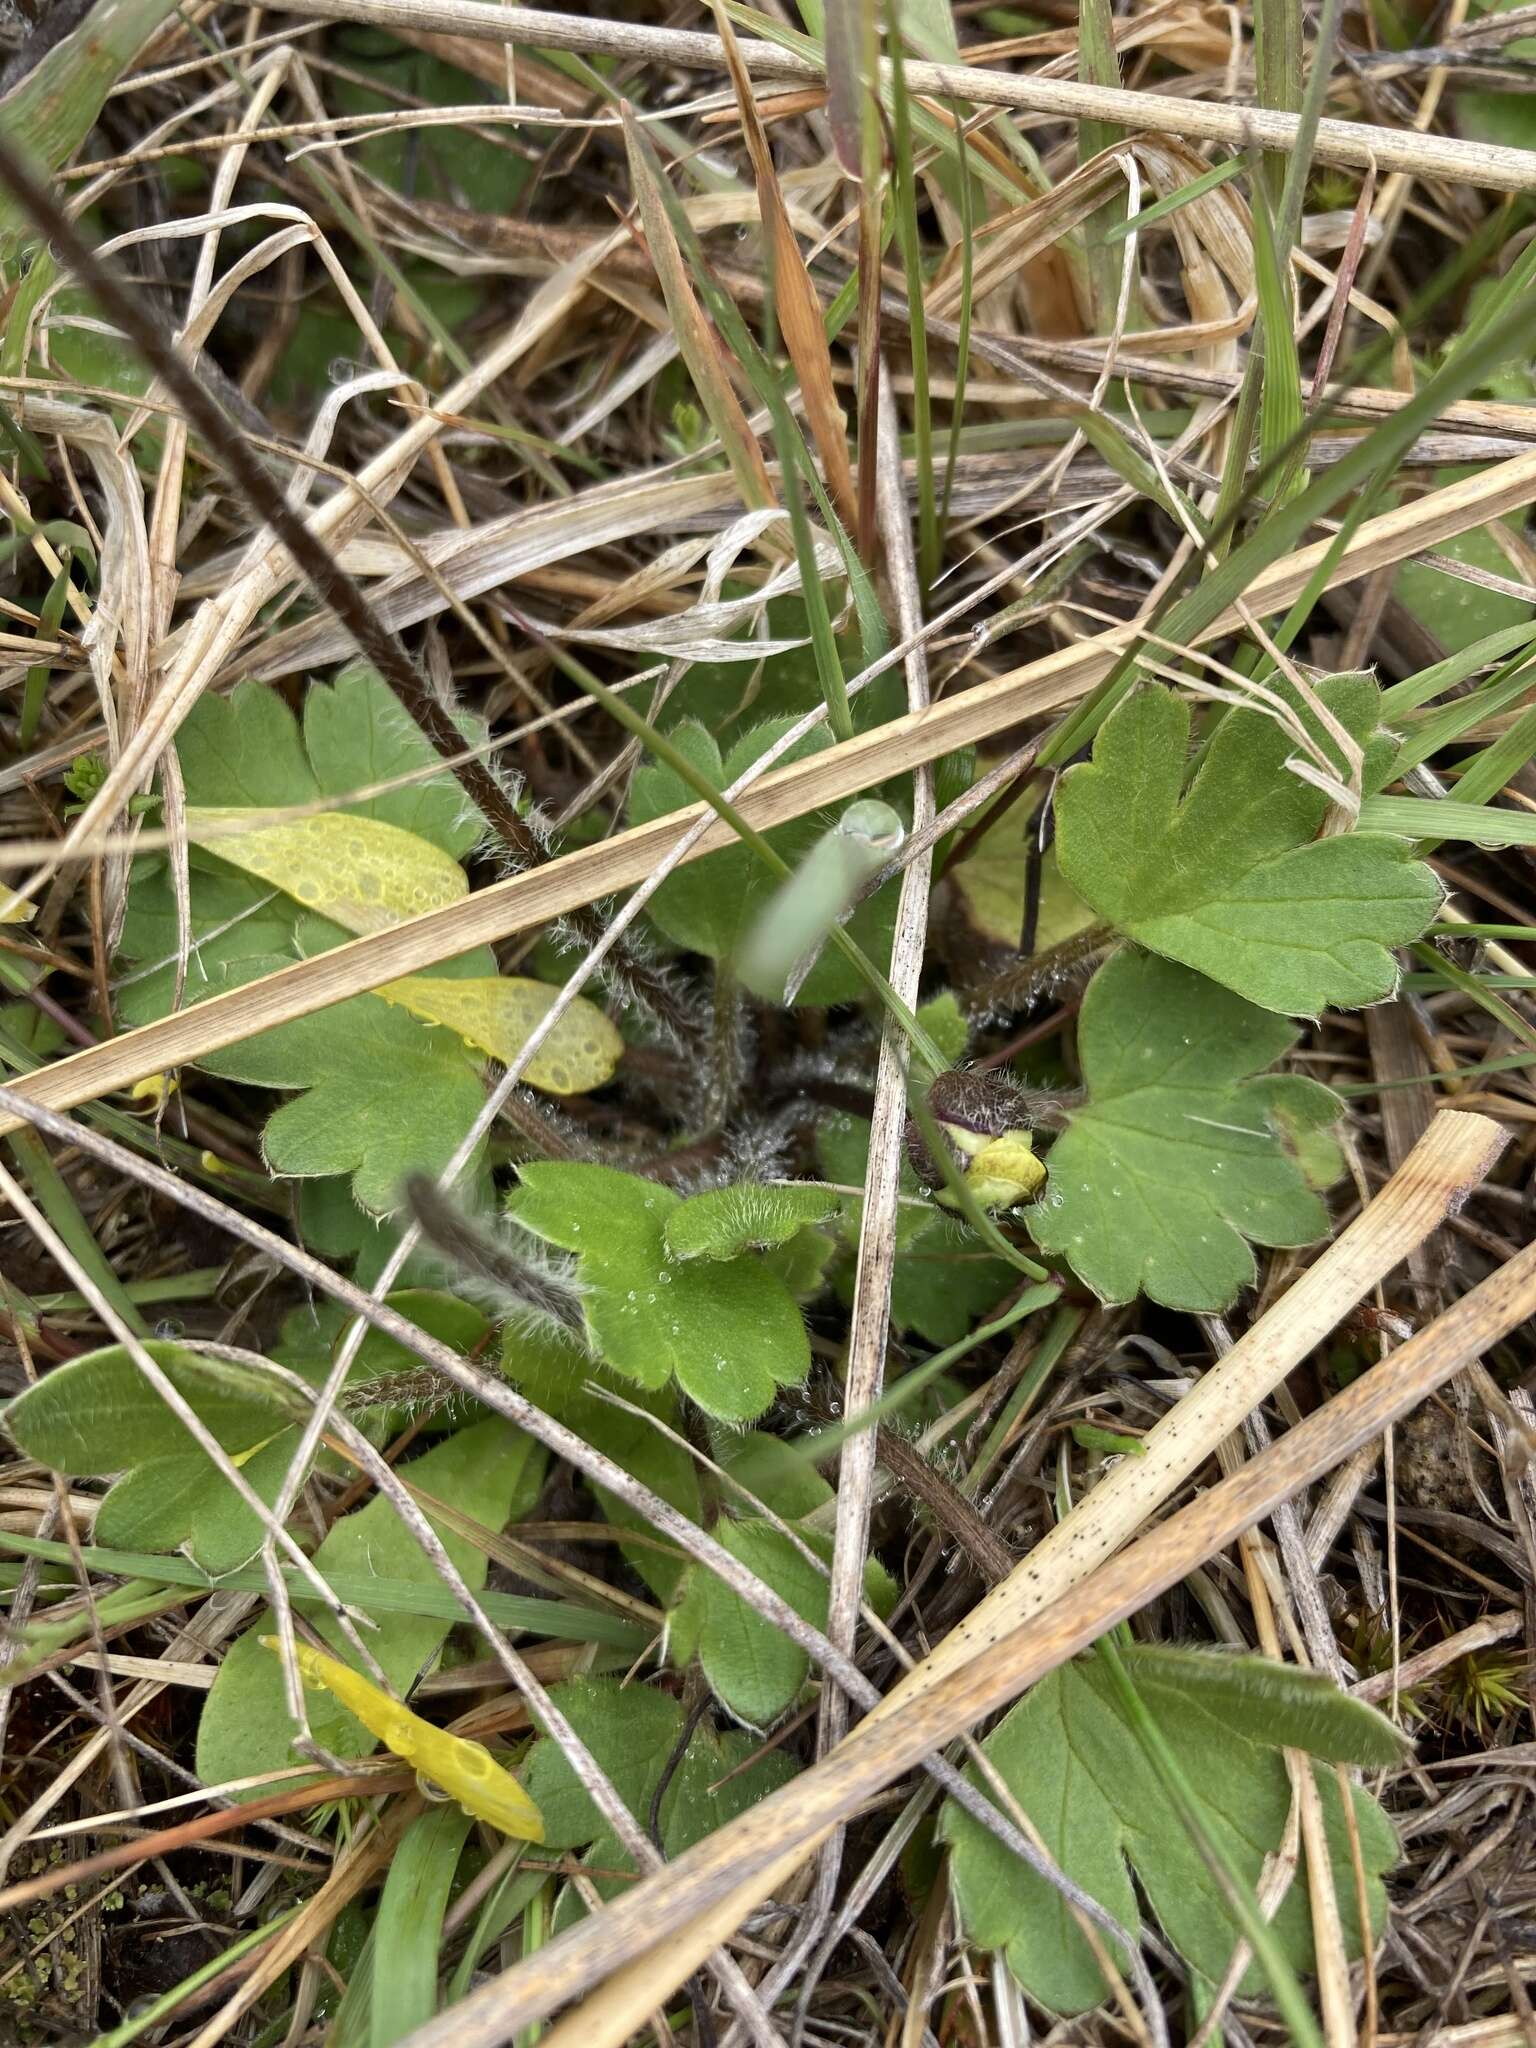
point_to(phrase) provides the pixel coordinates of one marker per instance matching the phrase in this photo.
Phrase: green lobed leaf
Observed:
(1230, 877)
(750, 1664)
(727, 1331)
(722, 1223)
(1078, 1771)
(492, 1473)
(375, 1093)
(1176, 1161)
(379, 1093)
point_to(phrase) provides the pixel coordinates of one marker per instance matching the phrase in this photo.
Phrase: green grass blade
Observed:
(1218, 174)
(409, 1927)
(557, 1619)
(909, 240)
(52, 110)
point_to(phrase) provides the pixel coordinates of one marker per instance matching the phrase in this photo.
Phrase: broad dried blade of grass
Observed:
(794, 296)
(700, 349)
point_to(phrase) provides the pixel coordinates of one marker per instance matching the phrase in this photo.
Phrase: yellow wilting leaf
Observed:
(359, 872)
(366, 876)
(466, 1770)
(496, 1014)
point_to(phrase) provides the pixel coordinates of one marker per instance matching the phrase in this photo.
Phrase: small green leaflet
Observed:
(633, 1731)
(752, 1667)
(724, 1222)
(1183, 1153)
(1080, 1774)
(727, 1330)
(492, 1473)
(1230, 878)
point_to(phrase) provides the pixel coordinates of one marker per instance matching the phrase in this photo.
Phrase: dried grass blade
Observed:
(799, 309)
(1358, 143)
(696, 341)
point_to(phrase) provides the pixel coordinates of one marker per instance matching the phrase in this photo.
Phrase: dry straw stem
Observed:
(653, 1935)
(590, 873)
(1336, 142)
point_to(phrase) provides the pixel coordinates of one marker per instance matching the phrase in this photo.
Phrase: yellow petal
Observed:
(465, 1770)
(359, 872)
(1000, 1171)
(497, 1013)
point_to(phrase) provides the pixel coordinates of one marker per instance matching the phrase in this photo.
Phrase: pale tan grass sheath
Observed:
(531, 899)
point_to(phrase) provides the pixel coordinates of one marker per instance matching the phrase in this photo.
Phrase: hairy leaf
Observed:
(1080, 1774)
(1230, 878)
(99, 1413)
(1272, 1703)
(1178, 1160)
(724, 1222)
(727, 1331)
